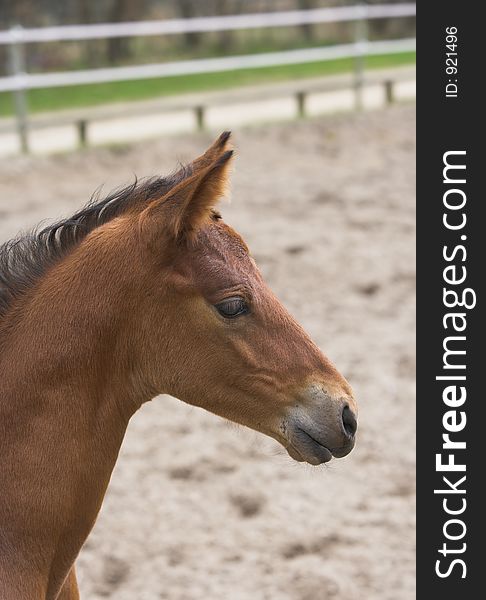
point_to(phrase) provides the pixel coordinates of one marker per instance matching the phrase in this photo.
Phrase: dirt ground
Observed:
(199, 509)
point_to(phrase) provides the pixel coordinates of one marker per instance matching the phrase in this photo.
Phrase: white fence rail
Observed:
(207, 24)
(207, 65)
(18, 82)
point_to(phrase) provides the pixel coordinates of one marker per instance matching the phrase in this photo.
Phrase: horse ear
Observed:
(220, 145)
(188, 206)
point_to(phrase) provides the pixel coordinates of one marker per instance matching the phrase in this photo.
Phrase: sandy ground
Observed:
(198, 509)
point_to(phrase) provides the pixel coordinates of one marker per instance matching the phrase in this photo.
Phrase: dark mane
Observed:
(27, 257)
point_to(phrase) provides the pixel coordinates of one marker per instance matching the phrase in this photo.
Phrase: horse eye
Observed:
(232, 307)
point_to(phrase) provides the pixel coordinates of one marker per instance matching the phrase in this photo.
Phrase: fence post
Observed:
(17, 68)
(389, 95)
(200, 121)
(360, 41)
(301, 98)
(82, 127)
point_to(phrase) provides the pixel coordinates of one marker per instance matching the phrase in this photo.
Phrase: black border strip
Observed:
(446, 124)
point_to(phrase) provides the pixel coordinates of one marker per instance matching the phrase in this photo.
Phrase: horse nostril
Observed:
(349, 422)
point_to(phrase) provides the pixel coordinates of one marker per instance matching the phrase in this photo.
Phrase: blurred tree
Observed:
(188, 9)
(119, 12)
(14, 12)
(227, 7)
(307, 28)
(86, 16)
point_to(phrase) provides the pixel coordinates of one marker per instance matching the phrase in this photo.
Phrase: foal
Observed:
(146, 292)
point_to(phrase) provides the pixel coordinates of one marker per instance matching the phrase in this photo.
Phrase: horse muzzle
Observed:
(320, 427)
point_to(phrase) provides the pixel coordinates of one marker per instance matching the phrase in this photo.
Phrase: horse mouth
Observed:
(305, 448)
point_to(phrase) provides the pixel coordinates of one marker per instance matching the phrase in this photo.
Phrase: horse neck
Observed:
(72, 332)
(68, 391)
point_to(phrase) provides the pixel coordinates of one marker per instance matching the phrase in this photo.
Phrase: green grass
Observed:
(90, 95)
